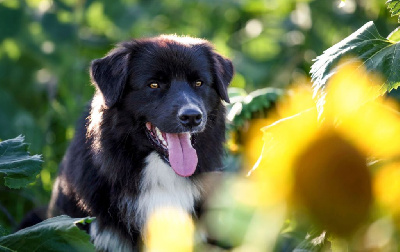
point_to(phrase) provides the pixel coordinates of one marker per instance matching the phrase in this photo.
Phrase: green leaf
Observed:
(56, 234)
(394, 35)
(19, 167)
(374, 51)
(259, 100)
(3, 231)
(234, 93)
(4, 249)
(394, 7)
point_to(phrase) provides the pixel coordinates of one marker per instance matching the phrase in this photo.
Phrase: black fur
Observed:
(106, 157)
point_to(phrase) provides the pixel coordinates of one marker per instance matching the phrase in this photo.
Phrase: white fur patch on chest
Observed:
(108, 240)
(161, 187)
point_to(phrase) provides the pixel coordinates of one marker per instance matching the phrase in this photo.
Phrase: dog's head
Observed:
(171, 85)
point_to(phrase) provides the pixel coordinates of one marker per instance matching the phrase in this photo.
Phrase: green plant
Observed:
(375, 53)
(16, 164)
(365, 48)
(56, 234)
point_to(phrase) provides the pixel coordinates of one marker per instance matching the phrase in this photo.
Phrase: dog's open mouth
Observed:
(176, 148)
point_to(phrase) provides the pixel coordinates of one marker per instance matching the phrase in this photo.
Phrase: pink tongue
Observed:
(182, 156)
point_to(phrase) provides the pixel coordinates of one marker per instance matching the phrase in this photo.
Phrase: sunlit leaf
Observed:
(254, 105)
(394, 35)
(374, 51)
(56, 234)
(394, 7)
(236, 93)
(19, 167)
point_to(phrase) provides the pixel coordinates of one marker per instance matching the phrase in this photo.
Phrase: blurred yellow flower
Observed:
(252, 141)
(318, 159)
(332, 180)
(387, 187)
(169, 230)
(272, 172)
(354, 106)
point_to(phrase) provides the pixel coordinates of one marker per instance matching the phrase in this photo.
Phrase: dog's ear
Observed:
(109, 74)
(224, 72)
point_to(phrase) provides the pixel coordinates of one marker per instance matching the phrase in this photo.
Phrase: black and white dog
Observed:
(155, 123)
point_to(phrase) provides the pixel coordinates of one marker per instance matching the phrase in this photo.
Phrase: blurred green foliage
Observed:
(46, 47)
(17, 166)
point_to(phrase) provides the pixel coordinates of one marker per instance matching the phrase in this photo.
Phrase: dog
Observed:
(155, 124)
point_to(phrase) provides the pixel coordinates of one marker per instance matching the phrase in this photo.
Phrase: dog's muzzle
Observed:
(190, 117)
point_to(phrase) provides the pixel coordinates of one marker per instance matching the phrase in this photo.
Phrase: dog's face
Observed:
(169, 84)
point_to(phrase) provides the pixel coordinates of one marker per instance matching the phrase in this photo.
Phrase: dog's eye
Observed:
(154, 85)
(198, 83)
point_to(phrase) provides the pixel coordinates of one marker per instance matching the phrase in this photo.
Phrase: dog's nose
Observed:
(190, 117)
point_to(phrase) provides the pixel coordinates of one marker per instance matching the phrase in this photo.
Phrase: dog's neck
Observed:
(160, 187)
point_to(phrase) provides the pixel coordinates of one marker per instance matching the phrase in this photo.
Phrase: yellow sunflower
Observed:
(317, 160)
